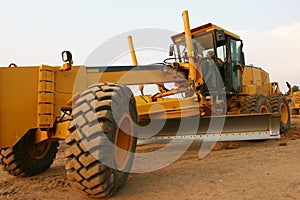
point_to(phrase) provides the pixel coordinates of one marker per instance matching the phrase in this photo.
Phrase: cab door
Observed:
(237, 64)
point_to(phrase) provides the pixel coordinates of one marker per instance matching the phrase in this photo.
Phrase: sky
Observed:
(35, 32)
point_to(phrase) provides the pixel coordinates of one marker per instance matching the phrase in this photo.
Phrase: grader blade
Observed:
(217, 128)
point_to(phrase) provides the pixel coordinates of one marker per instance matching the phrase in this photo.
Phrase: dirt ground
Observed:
(255, 170)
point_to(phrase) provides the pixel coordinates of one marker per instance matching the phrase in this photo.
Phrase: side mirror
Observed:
(171, 50)
(66, 56)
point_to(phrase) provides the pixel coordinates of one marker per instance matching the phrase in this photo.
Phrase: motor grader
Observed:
(96, 112)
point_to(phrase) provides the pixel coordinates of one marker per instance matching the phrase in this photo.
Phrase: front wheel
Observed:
(102, 139)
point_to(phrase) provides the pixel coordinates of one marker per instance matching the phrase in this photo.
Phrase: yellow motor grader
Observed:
(100, 118)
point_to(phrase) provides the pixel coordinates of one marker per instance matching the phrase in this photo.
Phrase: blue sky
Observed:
(35, 32)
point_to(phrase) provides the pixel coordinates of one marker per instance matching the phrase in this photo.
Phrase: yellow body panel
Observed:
(256, 81)
(32, 98)
(18, 103)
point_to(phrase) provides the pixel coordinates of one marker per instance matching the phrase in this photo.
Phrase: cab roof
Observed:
(204, 28)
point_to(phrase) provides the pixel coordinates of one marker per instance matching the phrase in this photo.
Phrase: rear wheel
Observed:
(102, 139)
(27, 158)
(255, 104)
(279, 104)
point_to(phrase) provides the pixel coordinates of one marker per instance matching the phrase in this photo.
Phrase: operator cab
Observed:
(220, 54)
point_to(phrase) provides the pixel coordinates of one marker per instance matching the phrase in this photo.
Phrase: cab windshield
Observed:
(203, 46)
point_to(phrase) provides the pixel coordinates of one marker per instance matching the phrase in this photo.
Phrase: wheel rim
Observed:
(284, 113)
(263, 109)
(123, 142)
(37, 151)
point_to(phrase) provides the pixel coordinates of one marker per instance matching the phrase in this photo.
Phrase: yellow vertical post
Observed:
(132, 52)
(134, 60)
(188, 40)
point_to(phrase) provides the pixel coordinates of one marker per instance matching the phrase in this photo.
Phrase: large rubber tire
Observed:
(255, 104)
(93, 163)
(279, 104)
(27, 158)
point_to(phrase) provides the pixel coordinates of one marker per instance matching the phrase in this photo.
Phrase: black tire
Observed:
(255, 104)
(279, 104)
(92, 165)
(27, 158)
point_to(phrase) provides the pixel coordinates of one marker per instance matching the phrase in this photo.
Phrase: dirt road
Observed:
(255, 170)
